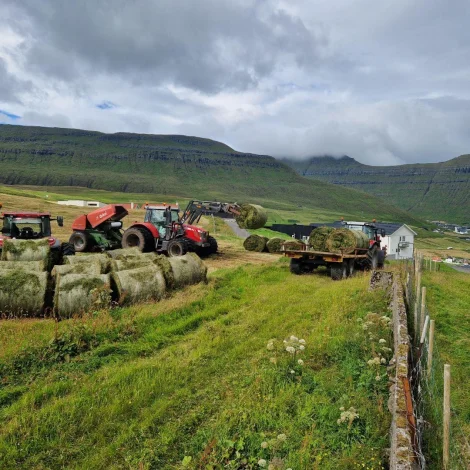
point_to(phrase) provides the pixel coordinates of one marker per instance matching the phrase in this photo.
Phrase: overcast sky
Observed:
(385, 82)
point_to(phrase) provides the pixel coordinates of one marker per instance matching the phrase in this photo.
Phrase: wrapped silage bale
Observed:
(131, 262)
(139, 285)
(124, 252)
(180, 271)
(343, 240)
(22, 293)
(80, 293)
(255, 243)
(102, 258)
(251, 217)
(24, 265)
(91, 268)
(318, 237)
(26, 250)
(274, 244)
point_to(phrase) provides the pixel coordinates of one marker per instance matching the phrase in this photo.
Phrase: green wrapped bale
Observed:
(26, 250)
(76, 294)
(131, 262)
(343, 240)
(139, 285)
(92, 268)
(122, 253)
(251, 217)
(180, 271)
(22, 293)
(24, 265)
(318, 237)
(90, 258)
(274, 245)
(254, 243)
(293, 245)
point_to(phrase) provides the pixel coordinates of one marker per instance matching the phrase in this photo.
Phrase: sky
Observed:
(385, 82)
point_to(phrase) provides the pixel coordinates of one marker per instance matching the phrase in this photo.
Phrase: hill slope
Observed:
(171, 165)
(431, 190)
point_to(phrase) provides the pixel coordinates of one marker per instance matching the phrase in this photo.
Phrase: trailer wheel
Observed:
(339, 271)
(351, 268)
(295, 266)
(138, 237)
(81, 242)
(177, 248)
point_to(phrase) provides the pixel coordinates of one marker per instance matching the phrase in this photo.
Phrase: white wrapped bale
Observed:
(26, 250)
(38, 266)
(22, 293)
(139, 285)
(102, 258)
(80, 293)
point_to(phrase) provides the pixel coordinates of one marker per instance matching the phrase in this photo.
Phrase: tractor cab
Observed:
(370, 230)
(28, 226)
(162, 217)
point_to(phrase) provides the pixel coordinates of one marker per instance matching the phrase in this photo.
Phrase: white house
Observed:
(80, 203)
(399, 240)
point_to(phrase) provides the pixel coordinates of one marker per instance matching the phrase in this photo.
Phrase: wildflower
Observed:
(348, 416)
(342, 408)
(301, 341)
(382, 341)
(373, 362)
(292, 371)
(282, 437)
(294, 338)
(264, 445)
(301, 347)
(377, 378)
(386, 349)
(290, 349)
(300, 362)
(383, 360)
(262, 463)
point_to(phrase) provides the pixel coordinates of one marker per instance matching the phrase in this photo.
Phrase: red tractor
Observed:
(163, 229)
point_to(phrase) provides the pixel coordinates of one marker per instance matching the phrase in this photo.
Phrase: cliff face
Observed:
(431, 190)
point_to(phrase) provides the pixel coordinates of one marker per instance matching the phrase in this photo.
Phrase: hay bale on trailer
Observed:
(318, 237)
(132, 262)
(90, 258)
(180, 271)
(92, 268)
(24, 265)
(139, 285)
(251, 217)
(293, 245)
(274, 244)
(124, 252)
(254, 243)
(26, 250)
(80, 293)
(343, 240)
(22, 293)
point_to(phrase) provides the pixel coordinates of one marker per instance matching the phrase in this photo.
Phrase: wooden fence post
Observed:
(446, 424)
(431, 346)
(423, 307)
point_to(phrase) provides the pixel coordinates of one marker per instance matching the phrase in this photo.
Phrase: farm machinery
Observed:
(163, 230)
(364, 253)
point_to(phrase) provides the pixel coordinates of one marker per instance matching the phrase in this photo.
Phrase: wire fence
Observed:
(427, 381)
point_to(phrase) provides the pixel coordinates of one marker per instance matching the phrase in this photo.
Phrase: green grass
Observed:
(448, 300)
(153, 386)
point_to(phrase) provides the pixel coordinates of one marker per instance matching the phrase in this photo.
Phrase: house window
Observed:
(402, 238)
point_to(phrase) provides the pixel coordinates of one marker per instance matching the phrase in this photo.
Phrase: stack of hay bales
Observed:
(343, 240)
(318, 237)
(90, 258)
(293, 245)
(251, 217)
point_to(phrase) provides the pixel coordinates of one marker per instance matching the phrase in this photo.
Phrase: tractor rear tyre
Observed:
(380, 259)
(177, 247)
(372, 258)
(209, 250)
(339, 271)
(67, 249)
(138, 237)
(81, 242)
(295, 266)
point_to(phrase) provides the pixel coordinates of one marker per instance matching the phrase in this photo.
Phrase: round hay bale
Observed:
(103, 259)
(139, 285)
(251, 217)
(318, 237)
(274, 245)
(120, 252)
(254, 243)
(26, 250)
(180, 271)
(92, 268)
(293, 245)
(343, 240)
(22, 293)
(23, 265)
(131, 262)
(80, 293)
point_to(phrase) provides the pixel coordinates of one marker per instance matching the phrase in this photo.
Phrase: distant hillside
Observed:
(430, 190)
(172, 165)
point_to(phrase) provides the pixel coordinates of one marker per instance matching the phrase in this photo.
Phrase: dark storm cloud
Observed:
(205, 45)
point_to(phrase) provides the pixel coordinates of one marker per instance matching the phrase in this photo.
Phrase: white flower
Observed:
(377, 378)
(301, 347)
(282, 437)
(374, 362)
(294, 338)
(262, 463)
(383, 360)
(300, 362)
(264, 445)
(382, 341)
(292, 371)
(290, 349)
(386, 349)
(301, 341)
(342, 408)
(348, 416)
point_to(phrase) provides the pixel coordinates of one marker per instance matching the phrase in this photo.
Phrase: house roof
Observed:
(390, 228)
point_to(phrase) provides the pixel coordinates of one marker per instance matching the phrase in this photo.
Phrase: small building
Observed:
(399, 240)
(81, 203)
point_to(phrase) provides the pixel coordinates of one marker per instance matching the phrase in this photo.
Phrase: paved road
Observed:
(462, 269)
(239, 232)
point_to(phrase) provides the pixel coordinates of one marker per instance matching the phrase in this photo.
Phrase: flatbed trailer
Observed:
(339, 265)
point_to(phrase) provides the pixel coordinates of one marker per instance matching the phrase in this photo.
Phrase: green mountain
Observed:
(431, 190)
(189, 167)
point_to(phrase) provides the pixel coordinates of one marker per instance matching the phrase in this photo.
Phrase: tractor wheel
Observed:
(339, 271)
(67, 249)
(295, 266)
(209, 250)
(177, 247)
(380, 259)
(138, 237)
(81, 242)
(372, 258)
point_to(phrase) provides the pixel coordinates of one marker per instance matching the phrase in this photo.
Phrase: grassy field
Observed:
(437, 245)
(448, 294)
(202, 380)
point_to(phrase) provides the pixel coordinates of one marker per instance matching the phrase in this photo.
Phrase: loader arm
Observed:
(196, 209)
